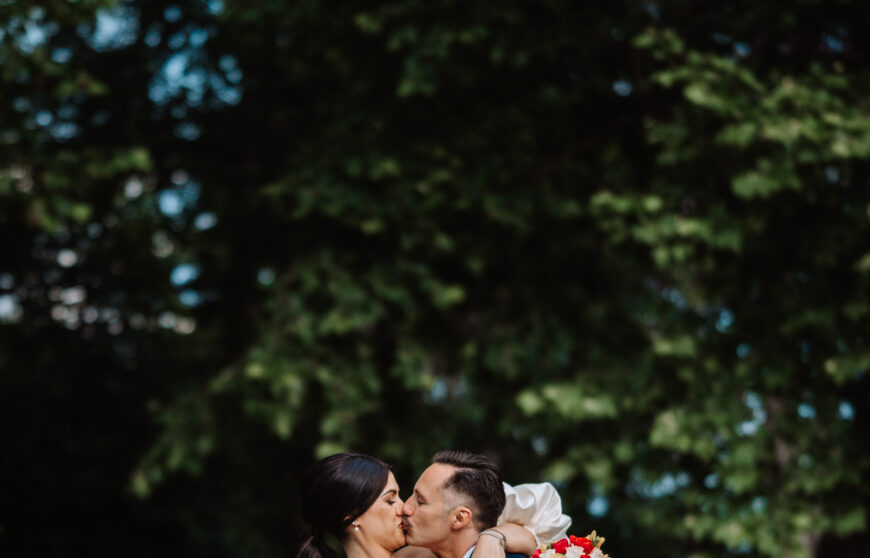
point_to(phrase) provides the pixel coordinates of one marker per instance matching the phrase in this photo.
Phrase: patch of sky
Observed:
(747, 428)
(205, 221)
(172, 14)
(184, 273)
(21, 104)
(179, 177)
(597, 505)
(134, 187)
(61, 55)
(227, 62)
(170, 203)
(667, 485)
(846, 411)
(44, 118)
(198, 37)
(832, 43)
(759, 504)
(724, 321)
(64, 131)
(265, 276)
(116, 28)
(10, 309)
(152, 37)
(35, 31)
(215, 7)
(73, 295)
(95, 230)
(540, 444)
(188, 131)
(711, 481)
(67, 258)
(653, 10)
(235, 76)
(806, 411)
(173, 78)
(622, 87)
(67, 111)
(186, 189)
(437, 393)
(742, 50)
(7, 281)
(226, 93)
(177, 78)
(189, 297)
(744, 350)
(721, 38)
(178, 111)
(832, 173)
(754, 403)
(177, 40)
(90, 314)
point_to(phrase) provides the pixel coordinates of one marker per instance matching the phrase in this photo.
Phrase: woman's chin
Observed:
(399, 544)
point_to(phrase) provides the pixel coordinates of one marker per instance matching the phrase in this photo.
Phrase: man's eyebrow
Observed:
(418, 493)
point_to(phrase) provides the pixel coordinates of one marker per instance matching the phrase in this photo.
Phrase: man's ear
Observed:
(460, 517)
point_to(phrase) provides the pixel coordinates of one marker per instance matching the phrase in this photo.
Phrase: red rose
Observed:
(561, 546)
(536, 553)
(574, 540)
(585, 543)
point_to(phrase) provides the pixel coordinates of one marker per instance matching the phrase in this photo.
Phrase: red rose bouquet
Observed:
(573, 547)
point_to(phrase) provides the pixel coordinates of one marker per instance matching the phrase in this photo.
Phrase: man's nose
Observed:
(407, 509)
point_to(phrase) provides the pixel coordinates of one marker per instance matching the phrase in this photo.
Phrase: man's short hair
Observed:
(478, 479)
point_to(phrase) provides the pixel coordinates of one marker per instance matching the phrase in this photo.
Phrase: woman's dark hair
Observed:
(335, 491)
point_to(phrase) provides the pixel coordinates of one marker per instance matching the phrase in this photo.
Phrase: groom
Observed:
(456, 499)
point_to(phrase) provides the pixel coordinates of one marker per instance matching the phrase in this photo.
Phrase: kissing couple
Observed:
(459, 505)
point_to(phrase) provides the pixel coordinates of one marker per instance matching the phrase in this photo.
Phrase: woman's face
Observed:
(381, 524)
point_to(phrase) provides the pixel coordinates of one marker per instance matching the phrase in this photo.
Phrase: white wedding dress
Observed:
(538, 508)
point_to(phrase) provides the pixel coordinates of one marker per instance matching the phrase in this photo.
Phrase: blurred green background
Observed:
(621, 246)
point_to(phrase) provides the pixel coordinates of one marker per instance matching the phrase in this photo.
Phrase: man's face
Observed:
(426, 514)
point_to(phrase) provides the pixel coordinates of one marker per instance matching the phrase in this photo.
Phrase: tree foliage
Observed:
(619, 247)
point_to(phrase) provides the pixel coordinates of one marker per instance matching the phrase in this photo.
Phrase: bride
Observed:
(355, 498)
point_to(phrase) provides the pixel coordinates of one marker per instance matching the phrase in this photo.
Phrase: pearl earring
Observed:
(355, 527)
